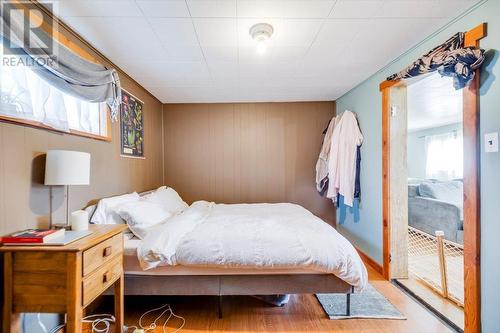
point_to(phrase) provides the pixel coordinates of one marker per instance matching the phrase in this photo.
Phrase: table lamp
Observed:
(65, 167)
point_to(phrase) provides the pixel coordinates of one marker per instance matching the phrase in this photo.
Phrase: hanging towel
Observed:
(345, 140)
(322, 164)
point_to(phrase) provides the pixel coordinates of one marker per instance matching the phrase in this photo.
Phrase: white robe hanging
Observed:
(346, 138)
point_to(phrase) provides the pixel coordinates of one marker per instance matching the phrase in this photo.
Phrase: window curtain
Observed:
(444, 156)
(449, 59)
(63, 69)
(25, 95)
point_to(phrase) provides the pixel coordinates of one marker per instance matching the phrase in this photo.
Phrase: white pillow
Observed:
(168, 198)
(141, 215)
(105, 213)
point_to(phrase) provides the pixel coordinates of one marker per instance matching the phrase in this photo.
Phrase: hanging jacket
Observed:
(345, 140)
(357, 182)
(322, 163)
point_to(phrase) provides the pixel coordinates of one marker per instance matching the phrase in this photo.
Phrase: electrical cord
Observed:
(57, 328)
(42, 325)
(166, 309)
(101, 323)
(39, 322)
(103, 320)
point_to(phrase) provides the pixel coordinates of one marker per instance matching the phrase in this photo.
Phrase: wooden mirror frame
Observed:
(472, 235)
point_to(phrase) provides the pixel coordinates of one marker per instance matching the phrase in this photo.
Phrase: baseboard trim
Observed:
(368, 260)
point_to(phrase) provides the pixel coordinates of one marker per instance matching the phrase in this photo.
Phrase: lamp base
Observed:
(58, 226)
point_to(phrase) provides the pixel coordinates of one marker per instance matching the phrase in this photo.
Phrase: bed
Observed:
(255, 249)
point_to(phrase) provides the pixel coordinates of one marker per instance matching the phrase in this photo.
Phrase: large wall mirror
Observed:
(431, 233)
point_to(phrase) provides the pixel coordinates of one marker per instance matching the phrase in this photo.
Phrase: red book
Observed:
(33, 236)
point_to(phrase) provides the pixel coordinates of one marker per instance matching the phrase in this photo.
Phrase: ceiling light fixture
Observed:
(261, 32)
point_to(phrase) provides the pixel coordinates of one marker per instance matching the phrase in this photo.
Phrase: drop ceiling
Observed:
(192, 51)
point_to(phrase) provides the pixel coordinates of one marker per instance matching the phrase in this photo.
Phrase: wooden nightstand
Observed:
(64, 279)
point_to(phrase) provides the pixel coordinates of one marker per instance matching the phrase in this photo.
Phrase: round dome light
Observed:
(261, 32)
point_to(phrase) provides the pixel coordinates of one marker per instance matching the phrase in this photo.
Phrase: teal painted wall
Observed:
(416, 148)
(364, 225)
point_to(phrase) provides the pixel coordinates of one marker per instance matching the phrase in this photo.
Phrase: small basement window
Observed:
(27, 99)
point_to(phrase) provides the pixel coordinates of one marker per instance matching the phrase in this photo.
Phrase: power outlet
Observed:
(491, 142)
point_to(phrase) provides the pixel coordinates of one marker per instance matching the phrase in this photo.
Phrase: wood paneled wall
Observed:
(234, 153)
(24, 201)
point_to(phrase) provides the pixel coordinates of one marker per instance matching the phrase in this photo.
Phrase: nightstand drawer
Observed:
(96, 256)
(101, 279)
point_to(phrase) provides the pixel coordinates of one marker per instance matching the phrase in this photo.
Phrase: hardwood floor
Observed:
(302, 314)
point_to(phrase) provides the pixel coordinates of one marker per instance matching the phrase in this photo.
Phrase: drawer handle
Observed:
(106, 252)
(105, 277)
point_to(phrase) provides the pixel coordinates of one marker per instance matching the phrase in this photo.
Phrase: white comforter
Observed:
(251, 236)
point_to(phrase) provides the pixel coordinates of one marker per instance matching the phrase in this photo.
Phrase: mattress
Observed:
(132, 266)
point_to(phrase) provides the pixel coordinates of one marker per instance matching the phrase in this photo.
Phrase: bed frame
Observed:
(226, 285)
(234, 285)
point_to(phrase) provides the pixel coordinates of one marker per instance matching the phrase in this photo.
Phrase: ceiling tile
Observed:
(356, 8)
(284, 8)
(339, 32)
(409, 8)
(297, 32)
(165, 70)
(249, 55)
(335, 37)
(228, 53)
(224, 73)
(213, 8)
(216, 31)
(178, 74)
(274, 54)
(124, 38)
(174, 31)
(186, 68)
(288, 53)
(199, 94)
(178, 37)
(223, 68)
(410, 31)
(185, 53)
(185, 81)
(282, 70)
(158, 92)
(442, 7)
(95, 8)
(162, 8)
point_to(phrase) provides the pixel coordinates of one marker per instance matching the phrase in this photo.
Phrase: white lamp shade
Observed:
(65, 167)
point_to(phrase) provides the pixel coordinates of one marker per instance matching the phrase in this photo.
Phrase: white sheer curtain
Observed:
(444, 156)
(24, 95)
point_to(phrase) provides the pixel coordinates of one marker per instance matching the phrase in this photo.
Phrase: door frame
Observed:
(472, 149)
